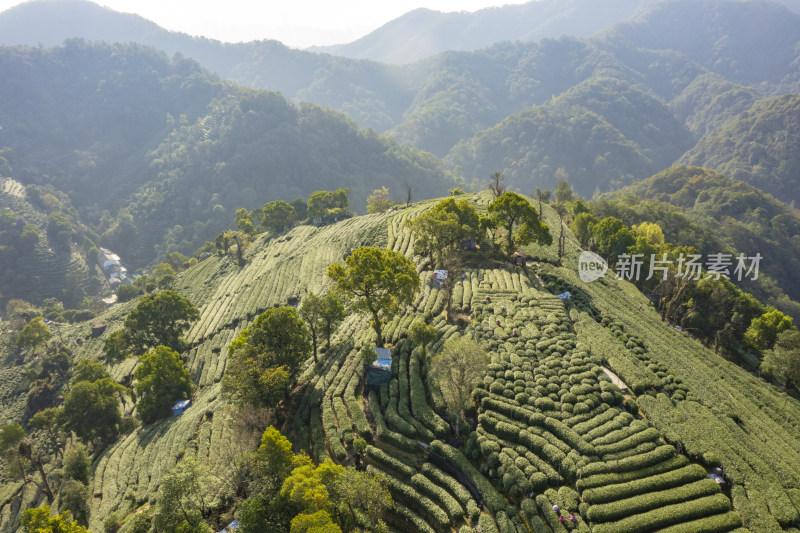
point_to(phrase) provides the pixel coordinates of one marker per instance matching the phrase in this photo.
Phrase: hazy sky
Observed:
(298, 23)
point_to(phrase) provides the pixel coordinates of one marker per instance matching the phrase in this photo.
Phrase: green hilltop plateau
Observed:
(591, 403)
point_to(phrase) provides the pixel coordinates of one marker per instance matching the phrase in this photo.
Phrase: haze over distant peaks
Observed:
(423, 32)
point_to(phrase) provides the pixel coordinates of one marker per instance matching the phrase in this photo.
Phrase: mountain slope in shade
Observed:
(173, 151)
(434, 103)
(758, 146)
(751, 43)
(604, 132)
(709, 101)
(736, 216)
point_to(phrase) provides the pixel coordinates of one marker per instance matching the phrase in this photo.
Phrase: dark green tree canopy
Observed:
(764, 330)
(34, 334)
(440, 229)
(161, 380)
(612, 237)
(158, 320)
(323, 204)
(88, 370)
(377, 282)
(92, 411)
(783, 359)
(300, 208)
(520, 220)
(264, 358)
(278, 216)
(280, 336)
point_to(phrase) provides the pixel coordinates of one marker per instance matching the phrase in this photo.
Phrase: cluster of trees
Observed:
(284, 492)
(289, 492)
(701, 208)
(91, 412)
(152, 332)
(277, 217)
(376, 282)
(159, 319)
(712, 308)
(783, 359)
(161, 277)
(18, 238)
(264, 359)
(440, 230)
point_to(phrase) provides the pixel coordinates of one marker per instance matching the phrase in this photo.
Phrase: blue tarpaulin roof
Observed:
(230, 527)
(183, 404)
(564, 295)
(384, 360)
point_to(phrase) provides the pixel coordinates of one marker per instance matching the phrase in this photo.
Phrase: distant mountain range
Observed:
(682, 80)
(173, 151)
(423, 32)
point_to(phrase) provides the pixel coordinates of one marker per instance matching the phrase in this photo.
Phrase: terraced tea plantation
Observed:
(550, 428)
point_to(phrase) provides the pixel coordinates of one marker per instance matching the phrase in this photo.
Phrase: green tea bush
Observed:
(412, 519)
(644, 502)
(384, 433)
(612, 478)
(487, 525)
(667, 515)
(389, 461)
(411, 497)
(633, 463)
(710, 524)
(649, 434)
(439, 495)
(493, 499)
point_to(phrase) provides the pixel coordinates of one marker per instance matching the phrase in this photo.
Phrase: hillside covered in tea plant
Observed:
(592, 403)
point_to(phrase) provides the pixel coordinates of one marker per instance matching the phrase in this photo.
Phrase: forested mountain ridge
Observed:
(585, 446)
(83, 114)
(423, 32)
(721, 214)
(159, 152)
(727, 38)
(603, 132)
(758, 146)
(714, 66)
(255, 147)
